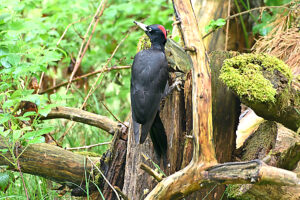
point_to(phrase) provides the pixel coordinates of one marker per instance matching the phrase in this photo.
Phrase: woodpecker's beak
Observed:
(142, 26)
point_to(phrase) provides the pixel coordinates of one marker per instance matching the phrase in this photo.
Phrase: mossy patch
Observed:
(247, 75)
(144, 43)
(237, 191)
(87, 153)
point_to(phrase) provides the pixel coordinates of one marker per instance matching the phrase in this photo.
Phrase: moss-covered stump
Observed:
(263, 83)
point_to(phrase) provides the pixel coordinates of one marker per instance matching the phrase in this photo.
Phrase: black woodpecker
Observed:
(149, 75)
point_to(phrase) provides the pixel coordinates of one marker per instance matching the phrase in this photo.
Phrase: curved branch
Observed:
(85, 117)
(251, 172)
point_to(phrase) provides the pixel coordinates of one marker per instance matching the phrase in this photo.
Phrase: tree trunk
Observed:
(176, 113)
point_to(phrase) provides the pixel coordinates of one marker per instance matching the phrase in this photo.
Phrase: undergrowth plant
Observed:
(29, 35)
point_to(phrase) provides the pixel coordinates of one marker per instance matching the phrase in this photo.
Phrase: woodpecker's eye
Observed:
(149, 29)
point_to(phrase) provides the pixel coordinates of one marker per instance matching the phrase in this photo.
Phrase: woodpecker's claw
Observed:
(177, 84)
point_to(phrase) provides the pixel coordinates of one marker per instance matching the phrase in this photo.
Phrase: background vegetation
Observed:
(29, 32)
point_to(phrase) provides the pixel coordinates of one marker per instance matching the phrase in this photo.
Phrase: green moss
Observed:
(239, 191)
(245, 75)
(87, 153)
(144, 43)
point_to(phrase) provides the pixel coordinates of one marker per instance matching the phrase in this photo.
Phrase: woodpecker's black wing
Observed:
(149, 75)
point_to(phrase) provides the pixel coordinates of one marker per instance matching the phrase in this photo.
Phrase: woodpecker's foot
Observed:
(176, 85)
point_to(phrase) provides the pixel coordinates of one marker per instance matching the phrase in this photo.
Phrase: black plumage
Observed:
(149, 75)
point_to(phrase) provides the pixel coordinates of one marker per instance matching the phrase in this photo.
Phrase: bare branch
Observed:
(85, 117)
(81, 54)
(151, 172)
(116, 118)
(252, 172)
(249, 11)
(95, 85)
(85, 76)
(87, 147)
(121, 193)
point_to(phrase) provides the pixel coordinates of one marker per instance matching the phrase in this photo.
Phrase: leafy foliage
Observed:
(215, 24)
(263, 21)
(29, 32)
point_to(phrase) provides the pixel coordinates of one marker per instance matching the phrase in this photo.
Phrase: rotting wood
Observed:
(254, 171)
(52, 162)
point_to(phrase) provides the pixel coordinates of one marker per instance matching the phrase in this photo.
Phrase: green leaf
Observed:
(213, 25)
(16, 135)
(32, 113)
(4, 118)
(46, 109)
(3, 151)
(220, 22)
(5, 133)
(4, 180)
(37, 133)
(36, 140)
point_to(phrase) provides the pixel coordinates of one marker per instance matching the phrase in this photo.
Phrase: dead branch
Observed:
(254, 172)
(249, 11)
(151, 172)
(81, 53)
(87, 147)
(86, 76)
(85, 117)
(51, 162)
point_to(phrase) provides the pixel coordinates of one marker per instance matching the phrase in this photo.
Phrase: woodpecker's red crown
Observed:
(156, 32)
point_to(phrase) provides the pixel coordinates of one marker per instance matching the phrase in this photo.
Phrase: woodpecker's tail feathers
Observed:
(145, 130)
(136, 130)
(158, 136)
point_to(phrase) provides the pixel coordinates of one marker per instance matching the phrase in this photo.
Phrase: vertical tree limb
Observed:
(187, 180)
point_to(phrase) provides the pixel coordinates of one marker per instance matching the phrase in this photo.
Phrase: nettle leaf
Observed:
(32, 113)
(23, 118)
(220, 22)
(215, 24)
(9, 104)
(17, 25)
(4, 180)
(51, 56)
(5, 133)
(16, 135)
(32, 134)
(39, 139)
(4, 151)
(4, 118)
(44, 111)
(4, 18)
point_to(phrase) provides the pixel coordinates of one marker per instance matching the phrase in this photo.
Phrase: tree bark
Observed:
(281, 146)
(79, 115)
(51, 162)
